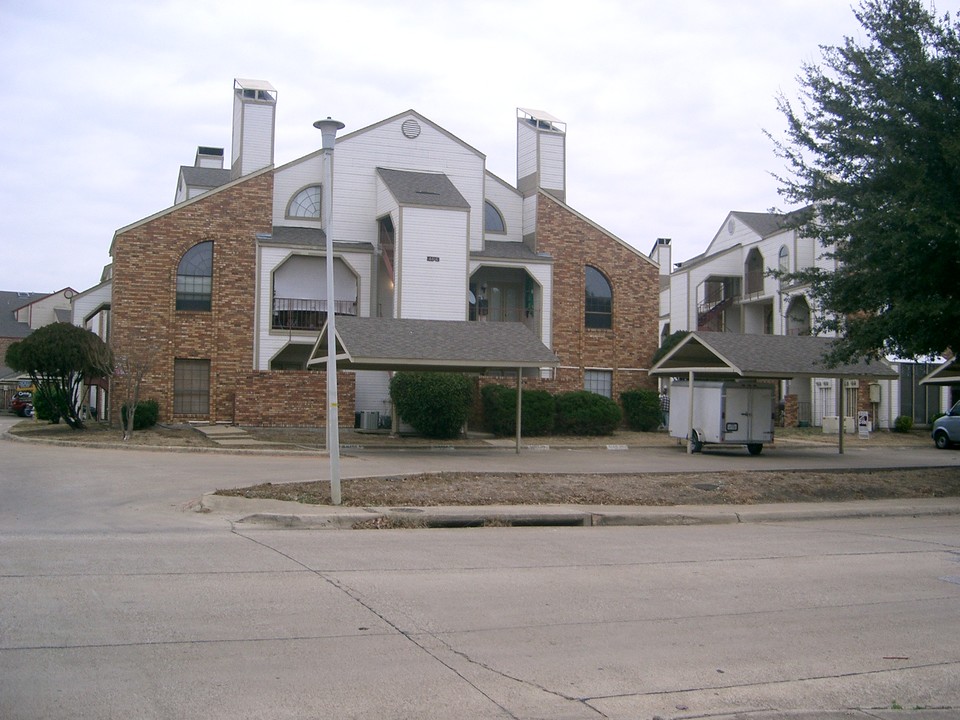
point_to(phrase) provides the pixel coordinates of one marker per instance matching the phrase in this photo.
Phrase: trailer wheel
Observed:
(755, 448)
(696, 443)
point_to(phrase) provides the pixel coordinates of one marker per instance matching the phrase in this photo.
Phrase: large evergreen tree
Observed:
(873, 146)
(59, 357)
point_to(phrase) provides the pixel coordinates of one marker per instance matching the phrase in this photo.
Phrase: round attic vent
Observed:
(410, 128)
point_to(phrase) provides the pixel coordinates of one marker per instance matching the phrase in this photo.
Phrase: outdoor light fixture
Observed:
(329, 130)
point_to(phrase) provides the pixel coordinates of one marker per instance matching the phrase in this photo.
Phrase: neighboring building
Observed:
(20, 314)
(731, 288)
(227, 291)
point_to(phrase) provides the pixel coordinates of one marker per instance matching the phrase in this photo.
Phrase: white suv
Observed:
(946, 429)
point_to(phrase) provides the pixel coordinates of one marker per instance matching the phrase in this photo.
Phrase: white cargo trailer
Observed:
(724, 413)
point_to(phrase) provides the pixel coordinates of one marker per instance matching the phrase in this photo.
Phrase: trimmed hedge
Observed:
(500, 411)
(145, 416)
(436, 404)
(586, 413)
(642, 409)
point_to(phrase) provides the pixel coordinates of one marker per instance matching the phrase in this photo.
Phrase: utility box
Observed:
(724, 413)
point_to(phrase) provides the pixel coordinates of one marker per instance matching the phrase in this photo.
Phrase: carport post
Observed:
(519, 398)
(840, 413)
(690, 414)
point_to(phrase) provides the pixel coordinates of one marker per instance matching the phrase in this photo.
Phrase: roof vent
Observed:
(410, 128)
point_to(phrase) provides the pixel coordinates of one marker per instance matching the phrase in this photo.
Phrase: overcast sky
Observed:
(665, 102)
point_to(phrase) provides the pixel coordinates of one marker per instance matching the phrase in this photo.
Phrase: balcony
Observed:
(306, 314)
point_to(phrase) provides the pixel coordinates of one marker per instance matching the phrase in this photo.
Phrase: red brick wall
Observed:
(291, 398)
(145, 319)
(626, 349)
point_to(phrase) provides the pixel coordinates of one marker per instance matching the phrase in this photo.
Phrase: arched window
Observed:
(492, 219)
(195, 278)
(306, 203)
(784, 259)
(753, 272)
(598, 302)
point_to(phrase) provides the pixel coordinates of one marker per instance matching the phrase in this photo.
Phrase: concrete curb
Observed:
(283, 514)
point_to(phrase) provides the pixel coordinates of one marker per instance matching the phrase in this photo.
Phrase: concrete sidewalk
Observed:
(285, 514)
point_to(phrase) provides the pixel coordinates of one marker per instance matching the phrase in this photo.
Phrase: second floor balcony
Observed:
(306, 314)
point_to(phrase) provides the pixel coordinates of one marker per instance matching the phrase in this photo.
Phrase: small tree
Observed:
(59, 358)
(131, 368)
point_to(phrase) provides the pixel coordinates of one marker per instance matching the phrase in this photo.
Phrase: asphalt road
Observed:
(115, 601)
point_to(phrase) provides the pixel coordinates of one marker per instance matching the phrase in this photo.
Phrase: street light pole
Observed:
(329, 129)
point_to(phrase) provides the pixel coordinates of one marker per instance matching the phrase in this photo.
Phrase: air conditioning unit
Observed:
(369, 420)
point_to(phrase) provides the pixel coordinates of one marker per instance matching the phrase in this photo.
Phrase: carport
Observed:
(946, 374)
(436, 346)
(725, 356)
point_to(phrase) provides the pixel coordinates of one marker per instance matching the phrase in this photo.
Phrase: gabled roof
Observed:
(441, 345)
(761, 357)
(422, 188)
(946, 374)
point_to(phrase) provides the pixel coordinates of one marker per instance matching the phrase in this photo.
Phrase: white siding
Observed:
(552, 169)
(89, 300)
(291, 179)
(510, 204)
(355, 267)
(724, 239)
(526, 150)
(530, 214)
(257, 137)
(373, 391)
(428, 289)
(355, 178)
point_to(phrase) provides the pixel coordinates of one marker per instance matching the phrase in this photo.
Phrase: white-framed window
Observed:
(599, 382)
(306, 203)
(493, 219)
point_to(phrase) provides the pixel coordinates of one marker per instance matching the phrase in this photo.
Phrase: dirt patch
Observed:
(734, 488)
(102, 434)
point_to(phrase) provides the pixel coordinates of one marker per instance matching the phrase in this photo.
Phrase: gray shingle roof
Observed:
(204, 177)
(9, 302)
(508, 251)
(761, 356)
(420, 188)
(388, 344)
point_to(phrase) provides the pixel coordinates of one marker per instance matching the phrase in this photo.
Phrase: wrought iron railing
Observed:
(305, 314)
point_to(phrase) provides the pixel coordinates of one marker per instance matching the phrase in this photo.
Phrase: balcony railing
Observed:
(302, 314)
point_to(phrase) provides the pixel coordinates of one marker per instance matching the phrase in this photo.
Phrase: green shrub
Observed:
(586, 413)
(500, 411)
(903, 424)
(145, 416)
(435, 404)
(44, 407)
(641, 409)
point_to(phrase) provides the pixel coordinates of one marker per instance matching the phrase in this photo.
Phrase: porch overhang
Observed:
(432, 345)
(946, 374)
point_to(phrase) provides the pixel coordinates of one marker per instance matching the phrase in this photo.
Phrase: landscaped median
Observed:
(452, 499)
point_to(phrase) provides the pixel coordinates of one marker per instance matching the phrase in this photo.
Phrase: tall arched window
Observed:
(492, 219)
(195, 278)
(784, 259)
(753, 272)
(598, 302)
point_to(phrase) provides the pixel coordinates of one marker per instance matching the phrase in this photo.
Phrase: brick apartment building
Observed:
(225, 291)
